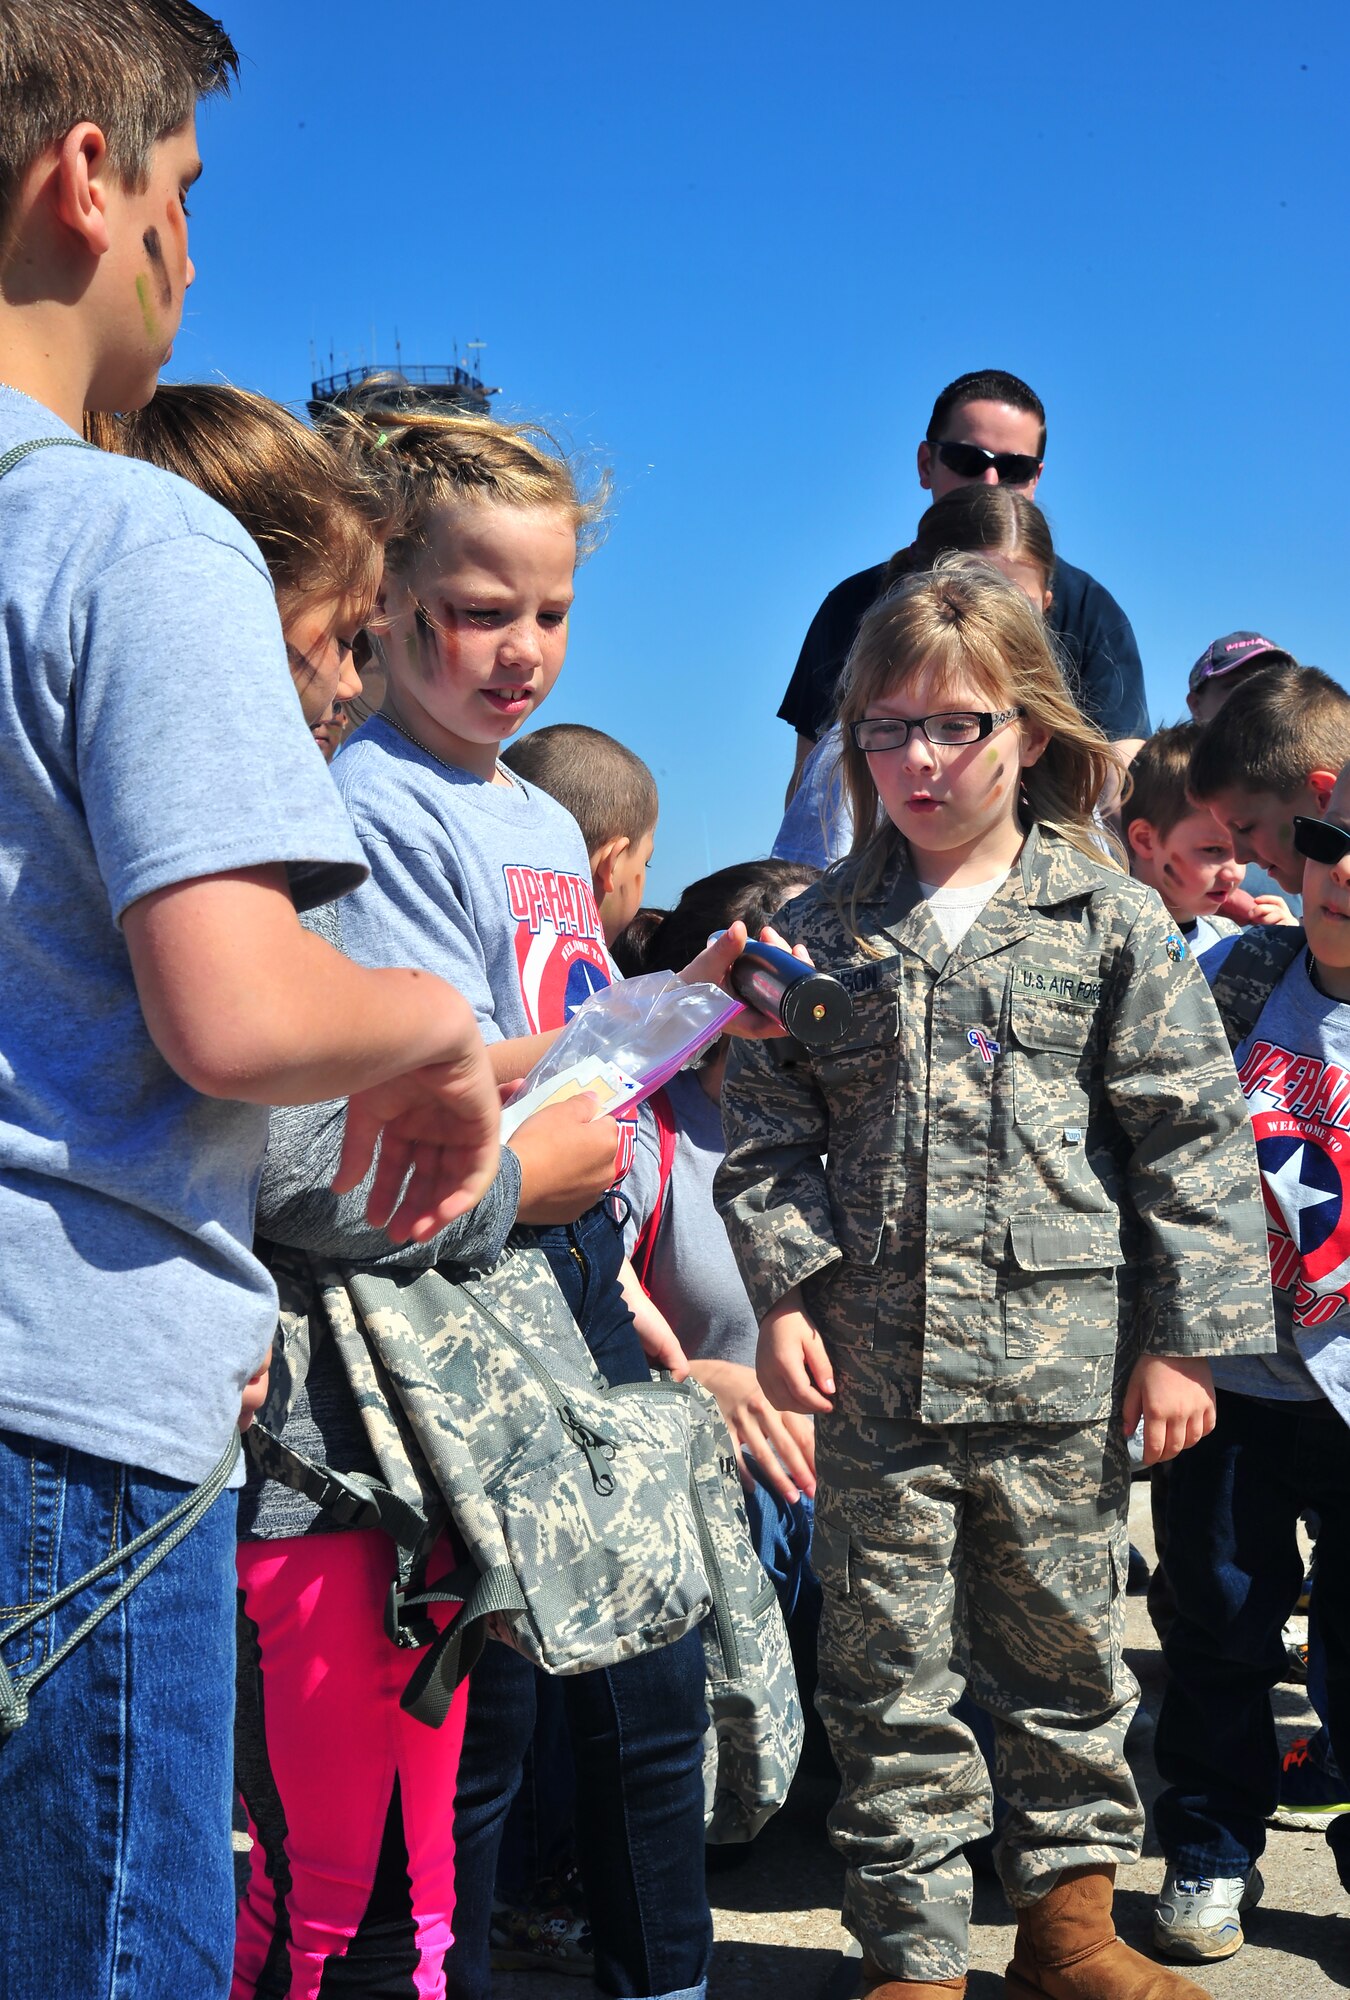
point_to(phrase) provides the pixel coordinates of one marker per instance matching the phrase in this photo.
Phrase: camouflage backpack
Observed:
(599, 1522)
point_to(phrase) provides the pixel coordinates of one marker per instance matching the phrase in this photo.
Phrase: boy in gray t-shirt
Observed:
(157, 993)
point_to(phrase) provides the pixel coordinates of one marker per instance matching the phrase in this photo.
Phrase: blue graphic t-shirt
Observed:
(1294, 1069)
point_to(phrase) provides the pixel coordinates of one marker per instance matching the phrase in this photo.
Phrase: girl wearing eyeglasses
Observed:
(1009, 1217)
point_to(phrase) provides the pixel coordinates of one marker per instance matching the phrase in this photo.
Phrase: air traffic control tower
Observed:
(448, 388)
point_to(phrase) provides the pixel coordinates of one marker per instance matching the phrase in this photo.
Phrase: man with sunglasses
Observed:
(987, 427)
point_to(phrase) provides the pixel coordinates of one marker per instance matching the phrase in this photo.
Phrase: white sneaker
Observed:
(1199, 1917)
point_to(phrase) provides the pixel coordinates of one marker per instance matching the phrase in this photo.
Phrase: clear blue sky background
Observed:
(733, 251)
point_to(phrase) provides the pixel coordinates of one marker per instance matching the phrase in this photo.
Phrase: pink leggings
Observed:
(335, 1776)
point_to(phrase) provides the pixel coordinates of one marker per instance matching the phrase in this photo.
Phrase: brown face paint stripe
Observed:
(154, 251)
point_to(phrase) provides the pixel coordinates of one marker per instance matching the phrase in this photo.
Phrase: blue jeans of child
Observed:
(637, 1740)
(1234, 1565)
(117, 1876)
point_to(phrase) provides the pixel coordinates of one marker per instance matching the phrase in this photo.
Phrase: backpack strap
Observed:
(357, 1501)
(16, 452)
(1250, 973)
(645, 1247)
(353, 1499)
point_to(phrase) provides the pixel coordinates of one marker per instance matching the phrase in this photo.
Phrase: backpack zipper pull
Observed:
(596, 1446)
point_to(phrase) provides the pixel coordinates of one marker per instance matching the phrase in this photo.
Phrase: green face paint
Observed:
(147, 310)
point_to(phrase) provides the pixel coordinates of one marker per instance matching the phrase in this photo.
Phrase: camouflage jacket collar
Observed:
(1047, 872)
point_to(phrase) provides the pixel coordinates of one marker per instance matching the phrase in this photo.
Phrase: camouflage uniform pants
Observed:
(992, 1555)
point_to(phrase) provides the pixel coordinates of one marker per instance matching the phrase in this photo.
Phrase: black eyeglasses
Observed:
(946, 732)
(972, 461)
(1321, 840)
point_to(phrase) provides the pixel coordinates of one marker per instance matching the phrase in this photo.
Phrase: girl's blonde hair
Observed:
(965, 620)
(313, 515)
(418, 460)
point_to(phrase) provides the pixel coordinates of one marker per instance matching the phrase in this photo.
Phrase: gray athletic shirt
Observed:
(149, 734)
(297, 1207)
(1294, 1069)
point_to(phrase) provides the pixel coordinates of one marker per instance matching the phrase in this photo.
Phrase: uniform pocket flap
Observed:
(1066, 1243)
(1049, 1021)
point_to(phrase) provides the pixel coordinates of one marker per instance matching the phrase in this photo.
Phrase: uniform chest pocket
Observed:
(1054, 1055)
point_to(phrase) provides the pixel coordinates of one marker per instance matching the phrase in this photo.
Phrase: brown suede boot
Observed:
(1067, 1949)
(879, 1985)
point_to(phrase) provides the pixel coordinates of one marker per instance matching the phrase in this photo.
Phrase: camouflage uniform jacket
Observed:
(1037, 1161)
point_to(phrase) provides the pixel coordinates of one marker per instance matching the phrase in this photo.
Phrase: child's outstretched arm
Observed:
(771, 1187)
(243, 1003)
(1199, 1267)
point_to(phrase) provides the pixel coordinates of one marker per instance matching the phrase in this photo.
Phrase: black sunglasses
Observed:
(1321, 840)
(972, 461)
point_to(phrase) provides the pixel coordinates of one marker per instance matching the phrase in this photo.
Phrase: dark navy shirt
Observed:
(1096, 643)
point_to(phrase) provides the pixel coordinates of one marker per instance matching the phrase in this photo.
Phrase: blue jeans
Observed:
(117, 1789)
(1235, 1568)
(636, 1731)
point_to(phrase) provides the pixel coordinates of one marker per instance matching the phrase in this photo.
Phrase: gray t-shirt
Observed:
(693, 1276)
(487, 885)
(1294, 1069)
(149, 734)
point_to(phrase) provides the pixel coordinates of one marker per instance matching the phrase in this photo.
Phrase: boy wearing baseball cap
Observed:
(1271, 754)
(1224, 665)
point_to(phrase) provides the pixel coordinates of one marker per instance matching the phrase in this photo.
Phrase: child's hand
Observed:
(566, 1153)
(793, 1368)
(716, 961)
(754, 1424)
(1271, 910)
(1176, 1400)
(437, 1128)
(659, 1342)
(1244, 908)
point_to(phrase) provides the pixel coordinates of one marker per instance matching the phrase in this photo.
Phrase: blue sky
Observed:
(732, 252)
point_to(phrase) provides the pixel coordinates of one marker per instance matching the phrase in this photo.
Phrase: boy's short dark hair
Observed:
(986, 385)
(135, 68)
(606, 787)
(1159, 774)
(1282, 724)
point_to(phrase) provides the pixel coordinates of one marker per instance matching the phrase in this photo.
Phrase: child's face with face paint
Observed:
(144, 276)
(957, 807)
(319, 653)
(474, 638)
(1192, 867)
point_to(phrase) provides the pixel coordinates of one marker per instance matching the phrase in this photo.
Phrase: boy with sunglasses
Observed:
(987, 427)
(1279, 1447)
